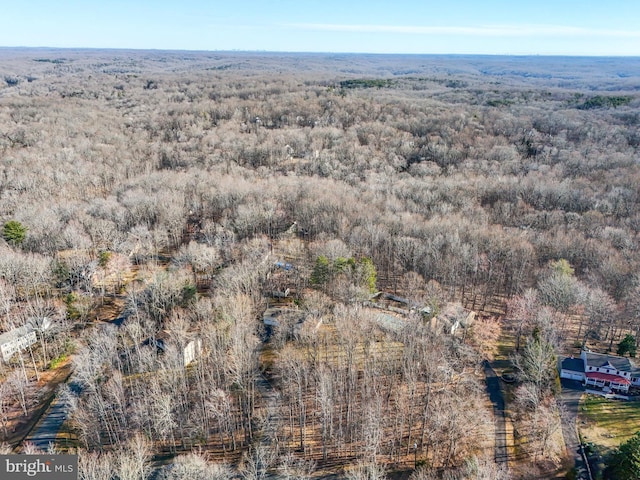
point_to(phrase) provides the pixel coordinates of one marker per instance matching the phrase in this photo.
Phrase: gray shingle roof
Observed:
(621, 364)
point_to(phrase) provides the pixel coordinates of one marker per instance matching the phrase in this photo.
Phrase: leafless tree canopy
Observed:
(172, 200)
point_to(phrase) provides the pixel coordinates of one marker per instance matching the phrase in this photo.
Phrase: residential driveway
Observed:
(272, 401)
(47, 429)
(572, 391)
(496, 397)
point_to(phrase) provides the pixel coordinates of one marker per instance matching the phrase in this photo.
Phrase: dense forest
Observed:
(153, 202)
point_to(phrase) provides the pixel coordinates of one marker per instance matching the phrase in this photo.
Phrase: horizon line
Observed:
(317, 52)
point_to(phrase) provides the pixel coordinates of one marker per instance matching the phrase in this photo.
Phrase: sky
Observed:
(494, 27)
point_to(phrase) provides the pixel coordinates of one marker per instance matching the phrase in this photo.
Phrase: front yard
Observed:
(607, 423)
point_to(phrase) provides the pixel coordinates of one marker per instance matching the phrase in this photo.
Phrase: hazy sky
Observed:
(556, 27)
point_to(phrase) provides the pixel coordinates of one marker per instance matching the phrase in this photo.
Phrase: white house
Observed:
(16, 340)
(608, 372)
(189, 352)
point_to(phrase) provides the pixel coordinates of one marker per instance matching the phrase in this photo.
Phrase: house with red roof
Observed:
(601, 371)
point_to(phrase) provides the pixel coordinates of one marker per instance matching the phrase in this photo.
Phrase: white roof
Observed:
(14, 334)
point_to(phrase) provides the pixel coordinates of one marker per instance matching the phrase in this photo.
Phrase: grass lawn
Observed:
(608, 423)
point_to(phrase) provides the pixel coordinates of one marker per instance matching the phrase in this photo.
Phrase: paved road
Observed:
(572, 391)
(47, 429)
(496, 397)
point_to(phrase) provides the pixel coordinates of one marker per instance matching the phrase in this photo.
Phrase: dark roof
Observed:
(621, 364)
(573, 364)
